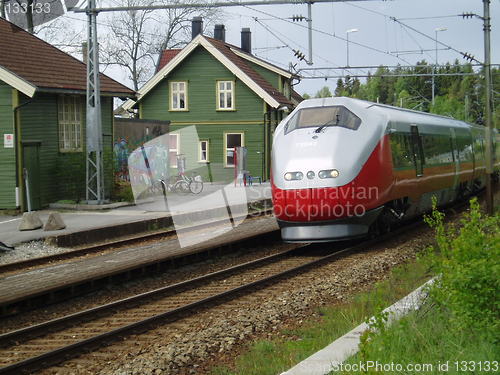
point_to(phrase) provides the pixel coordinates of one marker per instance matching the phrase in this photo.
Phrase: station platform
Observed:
(92, 225)
(43, 281)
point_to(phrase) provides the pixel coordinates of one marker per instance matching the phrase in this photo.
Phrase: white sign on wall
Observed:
(8, 140)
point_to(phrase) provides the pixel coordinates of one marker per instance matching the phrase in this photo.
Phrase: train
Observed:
(343, 168)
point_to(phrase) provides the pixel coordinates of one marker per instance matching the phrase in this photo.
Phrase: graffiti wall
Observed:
(130, 135)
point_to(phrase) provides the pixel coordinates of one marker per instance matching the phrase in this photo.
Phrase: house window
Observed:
(70, 123)
(225, 95)
(231, 141)
(173, 149)
(178, 96)
(203, 151)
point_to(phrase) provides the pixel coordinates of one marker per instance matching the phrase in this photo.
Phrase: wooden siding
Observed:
(253, 139)
(62, 175)
(7, 155)
(201, 70)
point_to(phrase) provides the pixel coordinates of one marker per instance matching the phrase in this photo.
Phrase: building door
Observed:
(31, 163)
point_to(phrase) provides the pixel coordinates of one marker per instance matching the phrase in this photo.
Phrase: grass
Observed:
(428, 337)
(455, 331)
(292, 345)
(458, 326)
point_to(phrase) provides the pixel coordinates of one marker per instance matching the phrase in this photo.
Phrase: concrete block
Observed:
(54, 222)
(30, 221)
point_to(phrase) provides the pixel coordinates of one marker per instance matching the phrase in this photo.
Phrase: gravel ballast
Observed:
(190, 345)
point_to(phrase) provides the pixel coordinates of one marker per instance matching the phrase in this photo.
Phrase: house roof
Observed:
(228, 51)
(235, 62)
(165, 57)
(30, 64)
(296, 96)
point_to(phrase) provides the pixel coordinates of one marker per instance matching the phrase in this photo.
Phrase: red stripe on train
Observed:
(370, 189)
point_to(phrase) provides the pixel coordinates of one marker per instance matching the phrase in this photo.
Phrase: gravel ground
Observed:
(191, 345)
(116, 292)
(30, 250)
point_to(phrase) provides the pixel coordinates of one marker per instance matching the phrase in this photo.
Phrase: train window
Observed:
(401, 151)
(464, 146)
(417, 150)
(323, 116)
(437, 150)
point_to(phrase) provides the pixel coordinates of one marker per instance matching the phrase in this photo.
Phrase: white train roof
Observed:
(395, 116)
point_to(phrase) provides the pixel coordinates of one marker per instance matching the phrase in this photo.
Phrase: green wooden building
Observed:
(42, 121)
(231, 97)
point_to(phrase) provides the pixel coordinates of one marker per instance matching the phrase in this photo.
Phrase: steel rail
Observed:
(33, 262)
(10, 337)
(63, 353)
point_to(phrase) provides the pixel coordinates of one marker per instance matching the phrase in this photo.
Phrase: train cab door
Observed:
(456, 159)
(417, 150)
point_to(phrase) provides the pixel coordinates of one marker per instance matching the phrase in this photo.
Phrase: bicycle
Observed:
(179, 183)
(195, 183)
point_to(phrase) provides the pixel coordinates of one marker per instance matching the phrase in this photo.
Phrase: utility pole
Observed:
(309, 26)
(434, 68)
(95, 172)
(347, 39)
(488, 117)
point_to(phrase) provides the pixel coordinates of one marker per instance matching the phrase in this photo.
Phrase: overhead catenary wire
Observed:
(398, 20)
(329, 34)
(274, 33)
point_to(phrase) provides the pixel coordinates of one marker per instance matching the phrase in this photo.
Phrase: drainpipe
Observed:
(265, 154)
(18, 151)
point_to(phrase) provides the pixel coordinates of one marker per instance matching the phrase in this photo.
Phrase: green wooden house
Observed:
(42, 121)
(231, 97)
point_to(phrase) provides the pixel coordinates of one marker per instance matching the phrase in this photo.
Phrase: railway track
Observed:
(52, 342)
(102, 248)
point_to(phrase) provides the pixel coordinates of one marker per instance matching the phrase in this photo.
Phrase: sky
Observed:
(378, 41)
(375, 28)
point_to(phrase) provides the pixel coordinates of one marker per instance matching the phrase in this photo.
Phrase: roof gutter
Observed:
(49, 90)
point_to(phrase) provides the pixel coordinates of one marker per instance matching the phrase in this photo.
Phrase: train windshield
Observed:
(320, 117)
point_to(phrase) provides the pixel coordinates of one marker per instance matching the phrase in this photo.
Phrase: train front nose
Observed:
(315, 196)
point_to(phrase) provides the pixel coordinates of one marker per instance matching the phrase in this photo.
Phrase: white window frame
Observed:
(226, 148)
(225, 92)
(207, 151)
(173, 163)
(176, 91)
(70, 119)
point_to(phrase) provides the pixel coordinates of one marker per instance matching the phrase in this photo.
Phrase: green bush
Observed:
(122, 192)
(467, 258)
(70, 175)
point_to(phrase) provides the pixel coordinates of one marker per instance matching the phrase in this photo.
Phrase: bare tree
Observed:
(136, 38)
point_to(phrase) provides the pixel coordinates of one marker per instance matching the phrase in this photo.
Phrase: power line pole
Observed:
(95, 170)
(309, 27)
(488, 117)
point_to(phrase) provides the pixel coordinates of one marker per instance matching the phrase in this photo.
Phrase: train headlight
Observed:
(290, 176)
(329, 173)
(310, 175)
